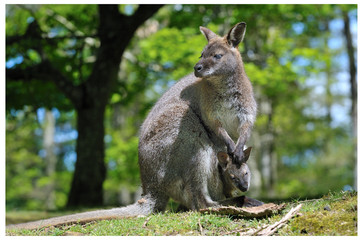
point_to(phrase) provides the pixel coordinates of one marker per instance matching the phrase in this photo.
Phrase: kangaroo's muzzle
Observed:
(198, 69)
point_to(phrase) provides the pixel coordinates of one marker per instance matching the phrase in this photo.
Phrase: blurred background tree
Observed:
(300, 59)
(82, 62)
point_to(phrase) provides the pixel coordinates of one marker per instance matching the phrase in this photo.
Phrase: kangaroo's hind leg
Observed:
(158, 201)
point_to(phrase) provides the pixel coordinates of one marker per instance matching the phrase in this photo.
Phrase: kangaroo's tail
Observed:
(143, 206)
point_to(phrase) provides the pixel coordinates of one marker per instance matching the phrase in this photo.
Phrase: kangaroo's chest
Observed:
(229, 116)
(222, 108)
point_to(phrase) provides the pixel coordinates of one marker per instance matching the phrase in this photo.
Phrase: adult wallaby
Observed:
(186, 134)
(201, 115)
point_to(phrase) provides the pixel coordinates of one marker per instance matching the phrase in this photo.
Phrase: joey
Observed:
(235, 177)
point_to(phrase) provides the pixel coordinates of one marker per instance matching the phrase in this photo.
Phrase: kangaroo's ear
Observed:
(247, 153)
(236, 34)
(208, 34)
(223, 159)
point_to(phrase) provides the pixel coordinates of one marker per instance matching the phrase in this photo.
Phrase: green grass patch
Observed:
(334, 214)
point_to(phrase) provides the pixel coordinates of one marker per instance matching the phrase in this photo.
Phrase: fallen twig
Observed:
(146, 222)
(200, 227)
(268, 231)
(242, 231)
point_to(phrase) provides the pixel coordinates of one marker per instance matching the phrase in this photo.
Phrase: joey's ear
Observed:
(208, 34)
(247, 153)
(223, 159)
(236, 34)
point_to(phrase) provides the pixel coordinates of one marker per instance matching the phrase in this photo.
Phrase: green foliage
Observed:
(23, 165)
(70, 22)
(334, 162)
(169, 51)
(18, 93)
(25, 169)
(123, 168)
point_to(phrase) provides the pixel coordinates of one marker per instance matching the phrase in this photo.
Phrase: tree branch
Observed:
(44, 71)
(120, 23)
(33, 32)
(111, 20)
(115, 32)
(144, 12)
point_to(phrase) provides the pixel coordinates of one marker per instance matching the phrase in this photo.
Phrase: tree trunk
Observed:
(256, 182)
(353, 88)
(352, 71)
(50, 158)
(115, 32)
(268, 159)
(90, 170)
(329, 76)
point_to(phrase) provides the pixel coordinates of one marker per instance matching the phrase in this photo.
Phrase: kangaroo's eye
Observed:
(232, 176)
(218, 56)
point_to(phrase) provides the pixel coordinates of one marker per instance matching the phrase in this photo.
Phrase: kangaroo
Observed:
(187, 148)
(202, 114)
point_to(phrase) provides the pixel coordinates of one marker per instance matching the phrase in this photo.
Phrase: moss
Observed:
(337, 217)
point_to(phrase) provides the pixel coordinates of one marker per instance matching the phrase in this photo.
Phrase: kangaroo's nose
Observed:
(198, 67)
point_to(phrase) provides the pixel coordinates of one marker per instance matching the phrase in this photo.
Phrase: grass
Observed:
(332, 215)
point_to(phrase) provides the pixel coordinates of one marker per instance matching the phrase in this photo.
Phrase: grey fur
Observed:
(193, 121)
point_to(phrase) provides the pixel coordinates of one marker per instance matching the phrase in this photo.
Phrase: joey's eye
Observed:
(232, 176)
(218, 56)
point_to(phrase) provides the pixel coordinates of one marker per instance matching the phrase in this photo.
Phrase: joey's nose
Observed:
(242, 187)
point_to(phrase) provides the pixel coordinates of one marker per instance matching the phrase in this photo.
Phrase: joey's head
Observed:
(236, 176)
(220, 57)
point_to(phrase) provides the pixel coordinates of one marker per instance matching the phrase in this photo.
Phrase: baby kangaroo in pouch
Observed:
(235, 178)
(191, 143)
